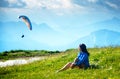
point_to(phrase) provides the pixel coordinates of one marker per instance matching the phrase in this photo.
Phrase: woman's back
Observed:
(83, 59)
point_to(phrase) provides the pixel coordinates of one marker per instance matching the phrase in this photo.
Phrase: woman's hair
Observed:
(83, 48)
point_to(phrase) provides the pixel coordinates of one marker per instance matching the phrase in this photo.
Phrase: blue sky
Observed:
(70, 18)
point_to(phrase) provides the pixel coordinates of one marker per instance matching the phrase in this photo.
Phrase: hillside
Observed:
(104, 61)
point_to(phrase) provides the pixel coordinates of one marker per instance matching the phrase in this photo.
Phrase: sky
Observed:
(69, 19)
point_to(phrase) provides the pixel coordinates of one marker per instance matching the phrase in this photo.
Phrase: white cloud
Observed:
(32, 3)
(11, 14)
(112, 5)
(92, 1)
(57, 6)
(50, 4)
(14, 2)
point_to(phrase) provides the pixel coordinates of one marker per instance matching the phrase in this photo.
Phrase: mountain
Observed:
(11, 28)
(10, 36)
(45, 30)
(42, 36)
(110, 24)
(45, 26)
(22, 25)
(99, 38)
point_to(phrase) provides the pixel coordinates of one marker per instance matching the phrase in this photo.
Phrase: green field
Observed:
(105, 65)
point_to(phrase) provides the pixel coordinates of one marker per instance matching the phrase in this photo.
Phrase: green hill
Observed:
(105, 65)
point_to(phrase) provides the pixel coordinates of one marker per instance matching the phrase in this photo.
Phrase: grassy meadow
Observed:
(105, 65)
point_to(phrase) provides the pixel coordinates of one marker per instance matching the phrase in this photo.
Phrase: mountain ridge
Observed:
(99, 38)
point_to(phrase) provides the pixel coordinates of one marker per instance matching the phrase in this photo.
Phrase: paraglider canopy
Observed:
(26, 20)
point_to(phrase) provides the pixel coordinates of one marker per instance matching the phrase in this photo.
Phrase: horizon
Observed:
(56, 23)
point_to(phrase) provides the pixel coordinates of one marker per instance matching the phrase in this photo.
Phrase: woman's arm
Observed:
(75, 60)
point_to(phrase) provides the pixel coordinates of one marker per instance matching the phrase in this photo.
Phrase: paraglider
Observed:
(22, 36)
(27, 21)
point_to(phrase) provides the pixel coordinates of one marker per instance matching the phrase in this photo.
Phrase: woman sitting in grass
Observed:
(81, 61)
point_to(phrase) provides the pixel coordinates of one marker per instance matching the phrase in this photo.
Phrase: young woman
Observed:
(81, 61)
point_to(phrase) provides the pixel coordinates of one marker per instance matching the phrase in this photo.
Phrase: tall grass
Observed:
(104, 61)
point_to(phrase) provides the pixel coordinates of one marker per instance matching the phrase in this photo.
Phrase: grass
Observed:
(25, 53)
(105, 65)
